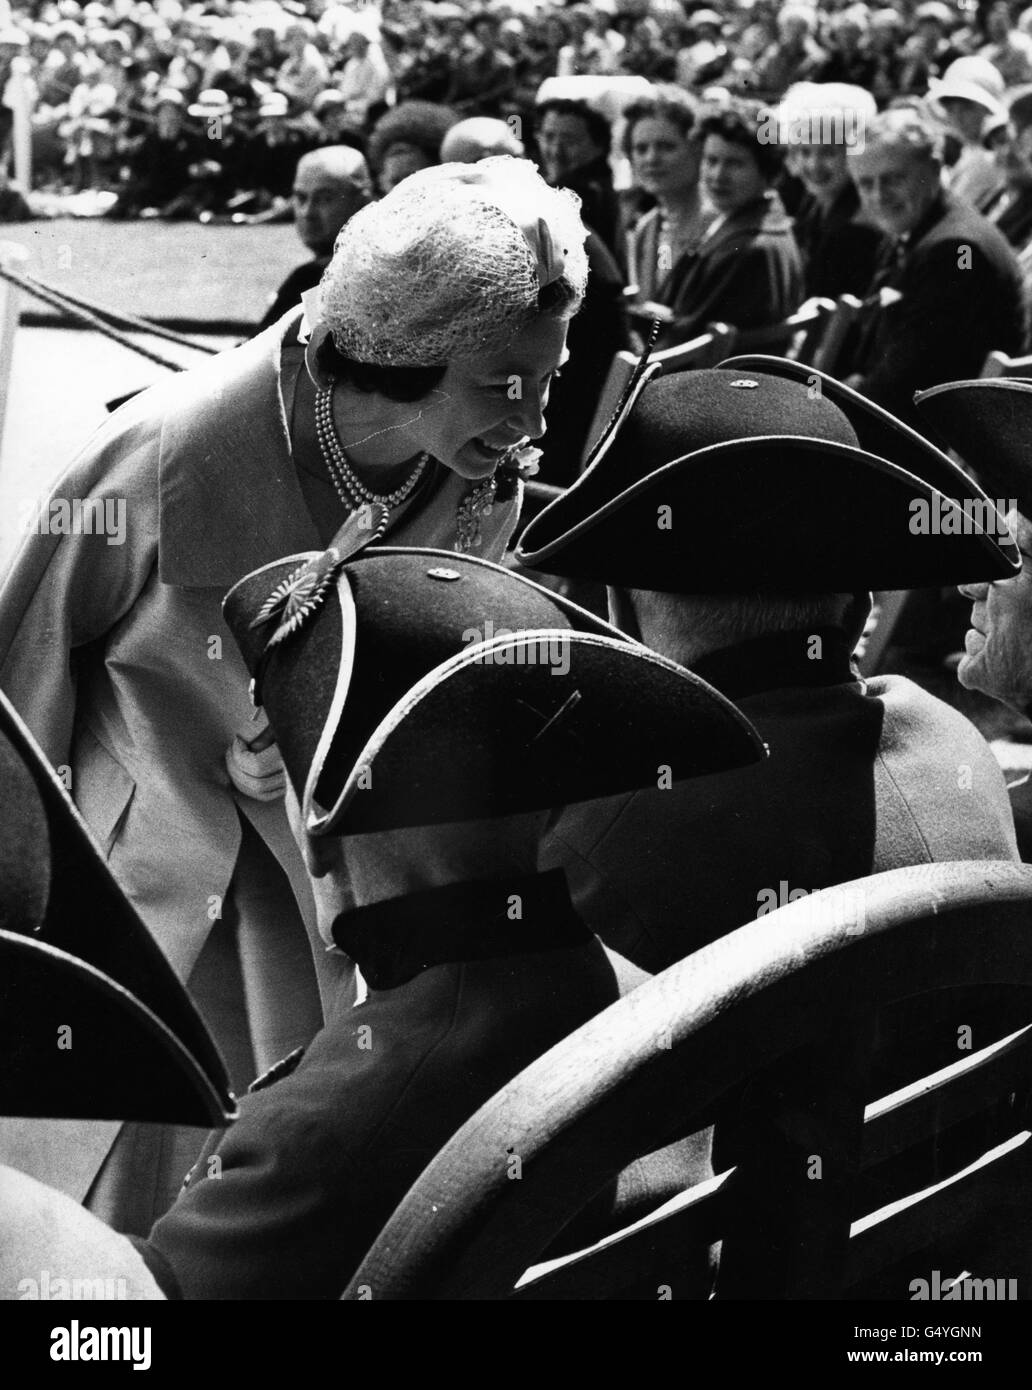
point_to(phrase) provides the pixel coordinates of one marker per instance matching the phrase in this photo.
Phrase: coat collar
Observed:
(779, 661)
(229, 496)
(396, 940)
(764, 214)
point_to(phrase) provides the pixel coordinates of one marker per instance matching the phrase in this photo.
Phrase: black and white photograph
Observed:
(516, 671)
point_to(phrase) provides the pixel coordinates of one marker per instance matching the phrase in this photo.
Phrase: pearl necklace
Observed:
(350, 489)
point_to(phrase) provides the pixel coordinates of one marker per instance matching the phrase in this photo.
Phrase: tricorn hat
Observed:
(727, 481)
(877, 429)
(417, 687)
(93, 1022)
(988, 422)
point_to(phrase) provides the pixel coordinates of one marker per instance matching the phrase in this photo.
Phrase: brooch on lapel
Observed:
(298, 596)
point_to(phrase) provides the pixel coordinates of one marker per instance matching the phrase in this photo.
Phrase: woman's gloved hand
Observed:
(254, 763)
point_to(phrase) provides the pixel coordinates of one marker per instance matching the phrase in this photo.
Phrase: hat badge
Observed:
(298, 596)
(745, 384)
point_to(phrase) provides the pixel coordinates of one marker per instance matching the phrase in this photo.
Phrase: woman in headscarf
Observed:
(423, 366)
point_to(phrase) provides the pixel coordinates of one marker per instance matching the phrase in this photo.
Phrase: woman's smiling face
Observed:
(484, 407)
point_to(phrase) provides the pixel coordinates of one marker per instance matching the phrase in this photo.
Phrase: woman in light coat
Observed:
(441, 322)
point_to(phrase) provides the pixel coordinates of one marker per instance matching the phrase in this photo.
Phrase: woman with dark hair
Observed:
(424, 366)
(746, 270)
(661, 141)
(573, 142)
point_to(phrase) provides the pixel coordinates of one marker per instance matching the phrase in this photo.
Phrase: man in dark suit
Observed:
(957, 282)
(749, 559)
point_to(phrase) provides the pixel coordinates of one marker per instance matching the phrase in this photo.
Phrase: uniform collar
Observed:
(817, 657)
(230, 501)
(396, 940)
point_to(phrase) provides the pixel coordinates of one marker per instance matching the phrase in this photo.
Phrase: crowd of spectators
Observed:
(705, 201)
(218, 99)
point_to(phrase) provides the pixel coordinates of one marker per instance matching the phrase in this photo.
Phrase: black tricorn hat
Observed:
(422, 687)
(877, 429)
(729, 482)
(93, 1022)
(989, 423)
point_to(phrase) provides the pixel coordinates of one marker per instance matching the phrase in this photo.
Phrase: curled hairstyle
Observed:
(669, 104)
(597, 126)
(740, 124)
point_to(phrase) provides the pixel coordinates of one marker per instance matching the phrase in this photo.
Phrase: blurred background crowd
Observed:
(656, 112)
(205, 107)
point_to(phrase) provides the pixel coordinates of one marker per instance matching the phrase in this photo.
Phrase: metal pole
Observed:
(10, 296)
(21, 97)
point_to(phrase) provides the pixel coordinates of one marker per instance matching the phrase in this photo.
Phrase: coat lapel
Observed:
(229, 496)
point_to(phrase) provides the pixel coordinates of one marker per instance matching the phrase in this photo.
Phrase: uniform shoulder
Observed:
(915, 710)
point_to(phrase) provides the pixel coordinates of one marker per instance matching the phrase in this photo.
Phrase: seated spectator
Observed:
(746, 271)
(587, 53)
(795, 57)
(969, 92)
(304, 73)
(848, 60)
(705, 57)
(265, 58)
(483, 79)
(957, 282)
(220, 160)
(646, 55)
(988, 424)
(407, 138)
(1008, 49)
(330, 185)
(885, 42)
(365, 80)
(332, 125)
(422, 66)
(1011, 210)
(64, 67)
(416, 883)
(160, 164)
(477, 138)
(928, 52)
(661, 140)
(573, 143)
(756, 584)
(272, 154)
(839, 243)
(232, 70)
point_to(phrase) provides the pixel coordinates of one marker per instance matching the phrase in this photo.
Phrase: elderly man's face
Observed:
(323, 202)
(998, 646)
(897, 185)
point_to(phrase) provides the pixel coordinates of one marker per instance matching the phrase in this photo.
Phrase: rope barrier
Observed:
(157, 330)
(91, 316)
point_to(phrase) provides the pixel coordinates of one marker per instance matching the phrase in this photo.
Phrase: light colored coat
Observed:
(117, 658)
